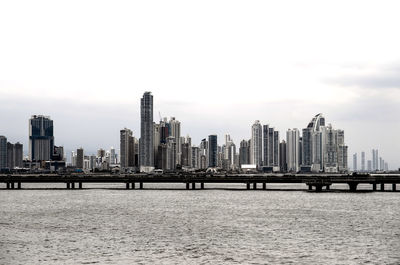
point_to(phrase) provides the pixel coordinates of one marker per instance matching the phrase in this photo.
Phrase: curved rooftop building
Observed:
(316, 122)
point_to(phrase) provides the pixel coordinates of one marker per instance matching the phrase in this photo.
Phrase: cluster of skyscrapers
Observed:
(376, 163)
(104, 160)
(11, 155)
(160, 146)
(320, 148)
(41, 147)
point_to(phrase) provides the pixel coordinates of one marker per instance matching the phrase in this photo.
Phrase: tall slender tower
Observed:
(355, 162)
(212, 152)
(146, 147)
(293, 150)
(3, 152)
(256, 144)
(363, 161)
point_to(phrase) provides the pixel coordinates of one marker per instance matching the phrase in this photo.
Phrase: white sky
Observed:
(215, 65)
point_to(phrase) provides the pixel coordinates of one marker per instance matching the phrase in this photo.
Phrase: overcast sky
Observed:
(217, 66)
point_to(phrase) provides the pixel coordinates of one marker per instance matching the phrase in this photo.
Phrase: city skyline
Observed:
(319, 148)
(263, 138)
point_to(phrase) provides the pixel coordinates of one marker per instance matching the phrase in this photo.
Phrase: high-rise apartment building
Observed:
(175, 131)
(363, 161)
(256, 144)
(79, 158)
(355, 162)
(375, 160)
(270, 147)
(3, 152)
(313, 144)
(18, 155)
(369, 165)
(195, 157)
(292, 150)
(128, 149)
(212, 150)
(41, 138)
(282, 156)
(146, 132)
(244, 152)
(113, 157)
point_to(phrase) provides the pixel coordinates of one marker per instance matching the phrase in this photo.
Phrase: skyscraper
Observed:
(363, 161)
(41, 138)
(355, 162)
(146, 131)
(3, 152)
(79, 158)
(369, 166)
(156, 142)
(212, 152)
(282, 156)
(113, 157)
(195, 157)
(18, 155)
(313, 144)
(374, 163)
(127, 149)
(186, 157)
(10, 155)
(256, 144)
(175, 131)
(244, 152)
(292, 150)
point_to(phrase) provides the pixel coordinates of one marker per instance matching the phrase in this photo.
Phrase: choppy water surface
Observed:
(117, 226)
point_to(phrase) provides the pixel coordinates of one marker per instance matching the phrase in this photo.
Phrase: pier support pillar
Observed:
(8, 185)
(248, 186)
(202, 185)
(80, 185)
(353, 186)
(68, 185)
(254, 186)
(133, 185)
(309, 187)
(127, 185)
(12, 185)
(382, 186)
(318, 187)
(374, 186)
(264, 186)
(19, 185)
(328, 187)
(193, 185)
(72, 185)
(394, 187)
(187, 185)
(141, 185)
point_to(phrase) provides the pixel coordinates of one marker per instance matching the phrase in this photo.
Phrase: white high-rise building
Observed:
(335, 152)
(256, 144)
(355, 162)
(230, 152)
(363, 161)
(292, 150)
(175, 130)
(112, 156)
